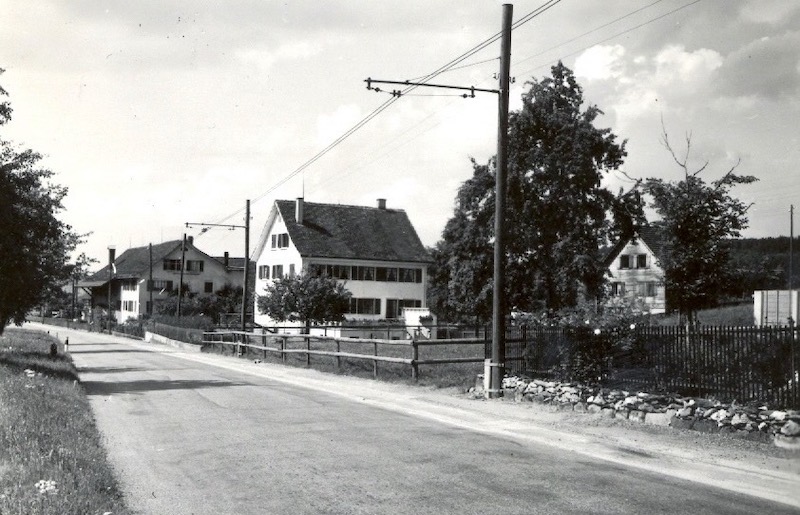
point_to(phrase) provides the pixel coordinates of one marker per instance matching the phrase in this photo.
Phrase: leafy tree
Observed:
(697, 219)
(305, 298)
(227, 299)
(34, 244)
(557, 212)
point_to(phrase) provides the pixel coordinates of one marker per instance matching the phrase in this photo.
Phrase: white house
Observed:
(635, 272)
(132, 291)
(375, 251)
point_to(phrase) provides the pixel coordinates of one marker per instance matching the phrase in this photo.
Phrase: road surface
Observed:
(202, 434)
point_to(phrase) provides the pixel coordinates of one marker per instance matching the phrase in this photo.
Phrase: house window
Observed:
(363, 273)
(263, 272)
(410, 275)
(129, 286)
(160, 285)
(208, 287)
(280, 241)
(277, 271)
(365, 306)
(628, 261)
(617, 289)
(128, 305)
(172, 264)
(194, 266)
(648, 289)
(394, 307)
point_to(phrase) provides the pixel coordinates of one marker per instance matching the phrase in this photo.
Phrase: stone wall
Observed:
(710, 416)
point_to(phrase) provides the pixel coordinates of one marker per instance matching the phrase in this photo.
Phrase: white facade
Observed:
(636, 275)
(380, 289)
(202, 274)
(776, 307)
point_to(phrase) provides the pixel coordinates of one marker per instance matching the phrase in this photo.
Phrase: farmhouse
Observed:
(635, 272)
(134, 294)
(375, 251)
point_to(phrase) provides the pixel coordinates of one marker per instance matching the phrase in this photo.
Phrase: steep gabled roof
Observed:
(352, 232)
(652, 236)
(135, 262)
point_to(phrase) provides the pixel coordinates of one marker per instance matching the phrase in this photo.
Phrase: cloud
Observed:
(266, 58)
(600, 62)
(331, 126)
(768, 67)
(768, 11)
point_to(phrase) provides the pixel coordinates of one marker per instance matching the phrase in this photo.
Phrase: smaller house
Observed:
(635, 272)
(133, 293)
(374, 251)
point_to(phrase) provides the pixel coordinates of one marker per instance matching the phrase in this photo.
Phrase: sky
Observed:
(156, 113)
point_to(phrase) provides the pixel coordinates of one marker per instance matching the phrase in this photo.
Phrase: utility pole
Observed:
(246, 228)
(150, 283)
(111, 253)
(497, 361)
(791, 246)
(246, 264)
(183, 265)
(497, 365)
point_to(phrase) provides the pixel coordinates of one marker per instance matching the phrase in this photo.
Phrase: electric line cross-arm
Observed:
(397, 93)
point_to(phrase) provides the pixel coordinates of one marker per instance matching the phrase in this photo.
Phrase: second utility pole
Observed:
(497, 365)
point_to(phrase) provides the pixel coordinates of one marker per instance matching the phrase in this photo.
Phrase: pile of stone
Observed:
(706, 415)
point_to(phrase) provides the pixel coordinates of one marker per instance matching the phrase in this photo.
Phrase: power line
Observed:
(525, 19)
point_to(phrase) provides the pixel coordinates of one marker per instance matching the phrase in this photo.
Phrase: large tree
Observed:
(305, 298)
(697, 219)
(558, 214)
(34, 244)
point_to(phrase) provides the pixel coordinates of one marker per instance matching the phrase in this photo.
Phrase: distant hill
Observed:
(763, 264)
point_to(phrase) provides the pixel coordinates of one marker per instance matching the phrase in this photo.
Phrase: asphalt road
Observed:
(194, 434)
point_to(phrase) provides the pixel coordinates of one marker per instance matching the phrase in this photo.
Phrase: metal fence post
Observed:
(338, 358)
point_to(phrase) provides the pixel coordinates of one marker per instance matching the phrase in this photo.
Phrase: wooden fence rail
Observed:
(240, 341)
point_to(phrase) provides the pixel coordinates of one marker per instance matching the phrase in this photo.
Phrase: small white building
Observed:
(635, 272)
(374, 251)
(776, 307)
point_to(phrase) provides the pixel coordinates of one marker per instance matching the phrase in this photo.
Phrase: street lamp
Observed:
(111, 252)
(246, 228)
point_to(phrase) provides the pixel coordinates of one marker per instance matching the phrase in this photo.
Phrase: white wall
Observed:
(278, 256)
(632, 277)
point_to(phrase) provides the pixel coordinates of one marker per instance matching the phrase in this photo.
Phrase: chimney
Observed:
(381, 203)
(225, 259)
(190, 240)
(298, 210)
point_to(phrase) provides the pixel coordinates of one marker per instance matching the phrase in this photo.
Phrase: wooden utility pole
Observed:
(150, 283)
(246, 264)
(111, 254)
(180, 283)
(497, 365)
(791, 246)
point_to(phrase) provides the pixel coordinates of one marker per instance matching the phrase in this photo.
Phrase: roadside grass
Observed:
(51, 457)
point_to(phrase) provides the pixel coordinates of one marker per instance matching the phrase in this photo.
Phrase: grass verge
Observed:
(51, 457)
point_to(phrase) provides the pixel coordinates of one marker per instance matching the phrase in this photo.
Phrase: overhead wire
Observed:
(451, 65)
(477, 48)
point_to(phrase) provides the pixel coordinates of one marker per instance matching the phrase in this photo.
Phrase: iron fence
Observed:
(746, 364)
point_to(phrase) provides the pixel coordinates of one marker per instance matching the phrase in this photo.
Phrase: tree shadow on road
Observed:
(150, 385)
